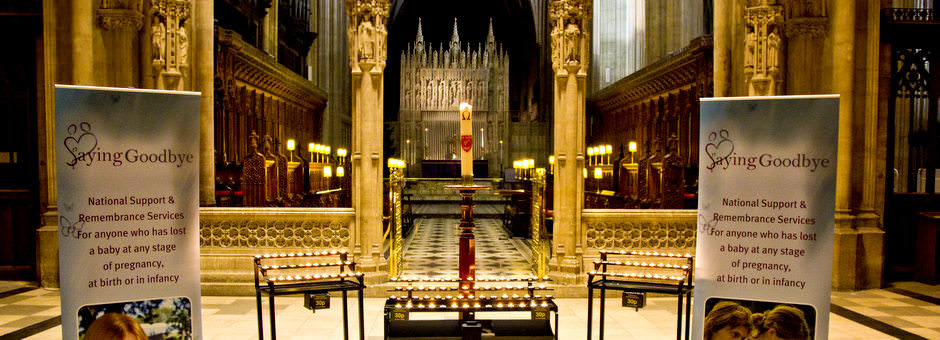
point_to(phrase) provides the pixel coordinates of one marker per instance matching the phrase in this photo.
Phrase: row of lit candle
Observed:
(307, 265)
(596, 154)
(638, 276)
(470, 297)
(318, 152)
(396, 163)
(598, 172)
(476, 305)
(493, 288)
(523, 168)
(485, 279)
(644, 253)
(328, 171)
(313, 277)
(316, 253)
(643, 264)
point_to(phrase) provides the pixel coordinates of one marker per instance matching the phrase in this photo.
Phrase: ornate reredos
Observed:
(439, 77)
(436, 76)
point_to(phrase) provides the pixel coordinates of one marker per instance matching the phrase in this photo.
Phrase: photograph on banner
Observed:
(766, 209)
(169, 318)
(127, 176)
(730, 319)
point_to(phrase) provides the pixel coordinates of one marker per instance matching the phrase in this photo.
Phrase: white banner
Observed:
(767, 176)
(127, 167)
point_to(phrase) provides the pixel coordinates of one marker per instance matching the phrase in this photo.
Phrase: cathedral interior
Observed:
(586, 124)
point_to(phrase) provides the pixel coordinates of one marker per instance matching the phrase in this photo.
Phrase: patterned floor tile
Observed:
(433, 249)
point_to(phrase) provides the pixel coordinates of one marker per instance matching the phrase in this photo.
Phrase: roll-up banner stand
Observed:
(127, 168)
(767, 179)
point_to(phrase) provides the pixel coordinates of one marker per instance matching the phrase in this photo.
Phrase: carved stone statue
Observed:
(750, 49)
(158, 39)
(572, 41)
(763, 47)
(182, 45)
(773, 50)
(366, 38)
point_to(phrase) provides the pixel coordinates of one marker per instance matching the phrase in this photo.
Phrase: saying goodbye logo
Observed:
(719, 148)
(80, 142)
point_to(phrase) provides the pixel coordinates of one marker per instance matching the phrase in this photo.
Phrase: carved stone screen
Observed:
(433, 83)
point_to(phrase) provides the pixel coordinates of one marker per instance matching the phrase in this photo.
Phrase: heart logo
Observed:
(81, 145)
(719, 148)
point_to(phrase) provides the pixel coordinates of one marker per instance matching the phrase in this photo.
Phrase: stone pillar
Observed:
(722, 52)
(204, 82)
(331, 49)
(654, 34)
(120, 22)
(858, 246)
(367, 34)
(571, 36)
(82, 42)
(269, 31)
(806, 30)
(47, 236)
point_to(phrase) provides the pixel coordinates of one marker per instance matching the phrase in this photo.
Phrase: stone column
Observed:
(722, 52)
(269, 30)
(869, 220)
(82, 42)
(843, 81)
(120, 22)
(331, 76)
(858, 245)
(366, 30)
(203, 81)
(47, 236)
(571, 36)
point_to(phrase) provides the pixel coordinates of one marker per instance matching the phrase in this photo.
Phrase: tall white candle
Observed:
(466, 143)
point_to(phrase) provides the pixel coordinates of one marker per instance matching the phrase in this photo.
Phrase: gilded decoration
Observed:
(571, 37)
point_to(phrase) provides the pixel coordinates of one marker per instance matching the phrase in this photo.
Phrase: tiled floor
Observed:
(433, 248)
(235, 317)
(485, 209)
(888, 306)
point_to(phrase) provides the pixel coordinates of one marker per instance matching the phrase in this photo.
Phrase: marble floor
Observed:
(33, 313)
(432, 248)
